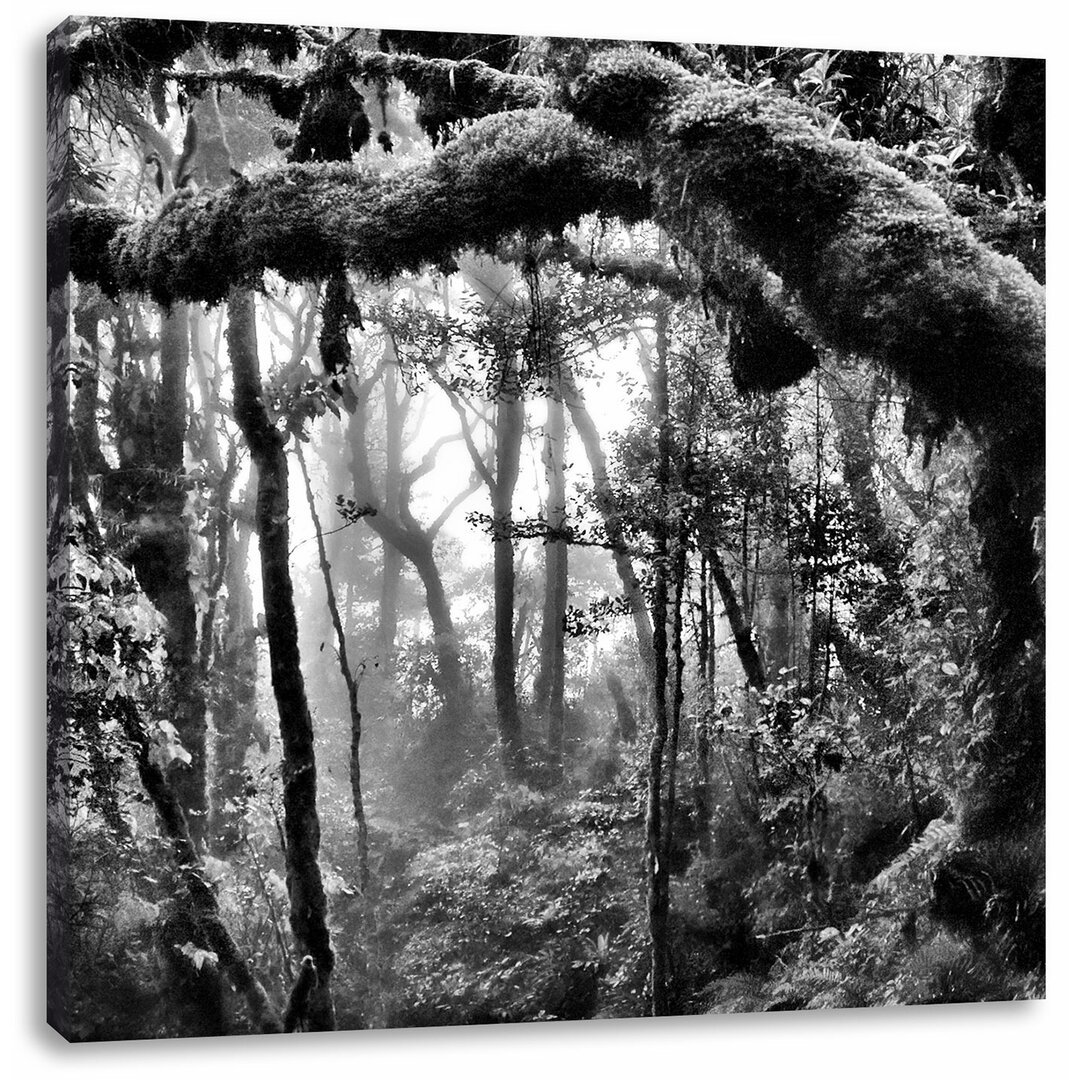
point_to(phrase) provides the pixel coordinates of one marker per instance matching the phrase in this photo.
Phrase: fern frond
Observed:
(937, 838)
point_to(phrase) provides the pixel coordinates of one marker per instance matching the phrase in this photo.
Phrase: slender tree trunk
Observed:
(707, 705)
(200, 892)
(418, 546)
(509, 428)
(740, 629)
(605, 498)
(235, 673)
(550, 687)
(456, 693)
(678, 665)
(308, 906)
(390, 590)
(351, 688)
(656, 848)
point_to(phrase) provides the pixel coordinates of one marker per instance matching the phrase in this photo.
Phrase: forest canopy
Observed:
(539, 528)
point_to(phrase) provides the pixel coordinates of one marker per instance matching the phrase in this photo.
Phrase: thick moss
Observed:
(877, 262)
(92, 230)
(452, 91)
(449, 91)
(333, 126)
(624, 90)
(764, 350)
(532, 171)
(134, 52)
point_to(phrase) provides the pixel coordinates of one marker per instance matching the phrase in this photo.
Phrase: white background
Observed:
(1029, 1040)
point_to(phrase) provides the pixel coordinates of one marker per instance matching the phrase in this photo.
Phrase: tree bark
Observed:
(417, 545)
(656, 835)
(606, 503)
(148, 491)
(880, 269)
(550, 687)
(351, 688)
(509, 428)
(234, 673)
(707, 706)
(396, 412)
(200, 893)
(307, 898)
(624, 714)
(744, 641)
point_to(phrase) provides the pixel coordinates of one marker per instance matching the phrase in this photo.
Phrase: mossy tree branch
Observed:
(533, 171)
(877, 261)
(449, 90)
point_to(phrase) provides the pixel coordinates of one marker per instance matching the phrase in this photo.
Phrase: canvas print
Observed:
(538, 528)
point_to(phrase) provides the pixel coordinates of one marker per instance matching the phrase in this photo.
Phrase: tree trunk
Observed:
(605, 499)
(148, 491)
(624, 714)
(550, 687)
(418, 546)
(396, 412)
(307, 898)
(656, 848)
(509, 428)
(744, 641)
(201, 897)
(235, 672)
(707, 705)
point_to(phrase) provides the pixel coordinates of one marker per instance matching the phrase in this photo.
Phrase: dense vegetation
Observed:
(539, 529)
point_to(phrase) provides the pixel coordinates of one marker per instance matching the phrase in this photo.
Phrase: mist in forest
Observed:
(539, 529)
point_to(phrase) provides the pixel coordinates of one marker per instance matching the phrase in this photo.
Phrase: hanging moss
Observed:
(284, 94)
(129, 52)
(498, 50)
(449, 92)
(764, 350)
(134, 52)
(280, 43)
(333, 125)
(339, 315)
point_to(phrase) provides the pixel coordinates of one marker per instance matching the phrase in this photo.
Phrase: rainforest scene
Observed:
(538, 528)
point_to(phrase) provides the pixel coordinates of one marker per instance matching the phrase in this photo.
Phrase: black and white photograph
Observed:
(539, 528)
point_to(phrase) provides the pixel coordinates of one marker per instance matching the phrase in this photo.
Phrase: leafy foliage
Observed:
(852, 631)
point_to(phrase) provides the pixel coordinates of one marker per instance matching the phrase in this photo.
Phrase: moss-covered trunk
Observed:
(307, 897)
(149, 492)
(657, 834)
(213, 933)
